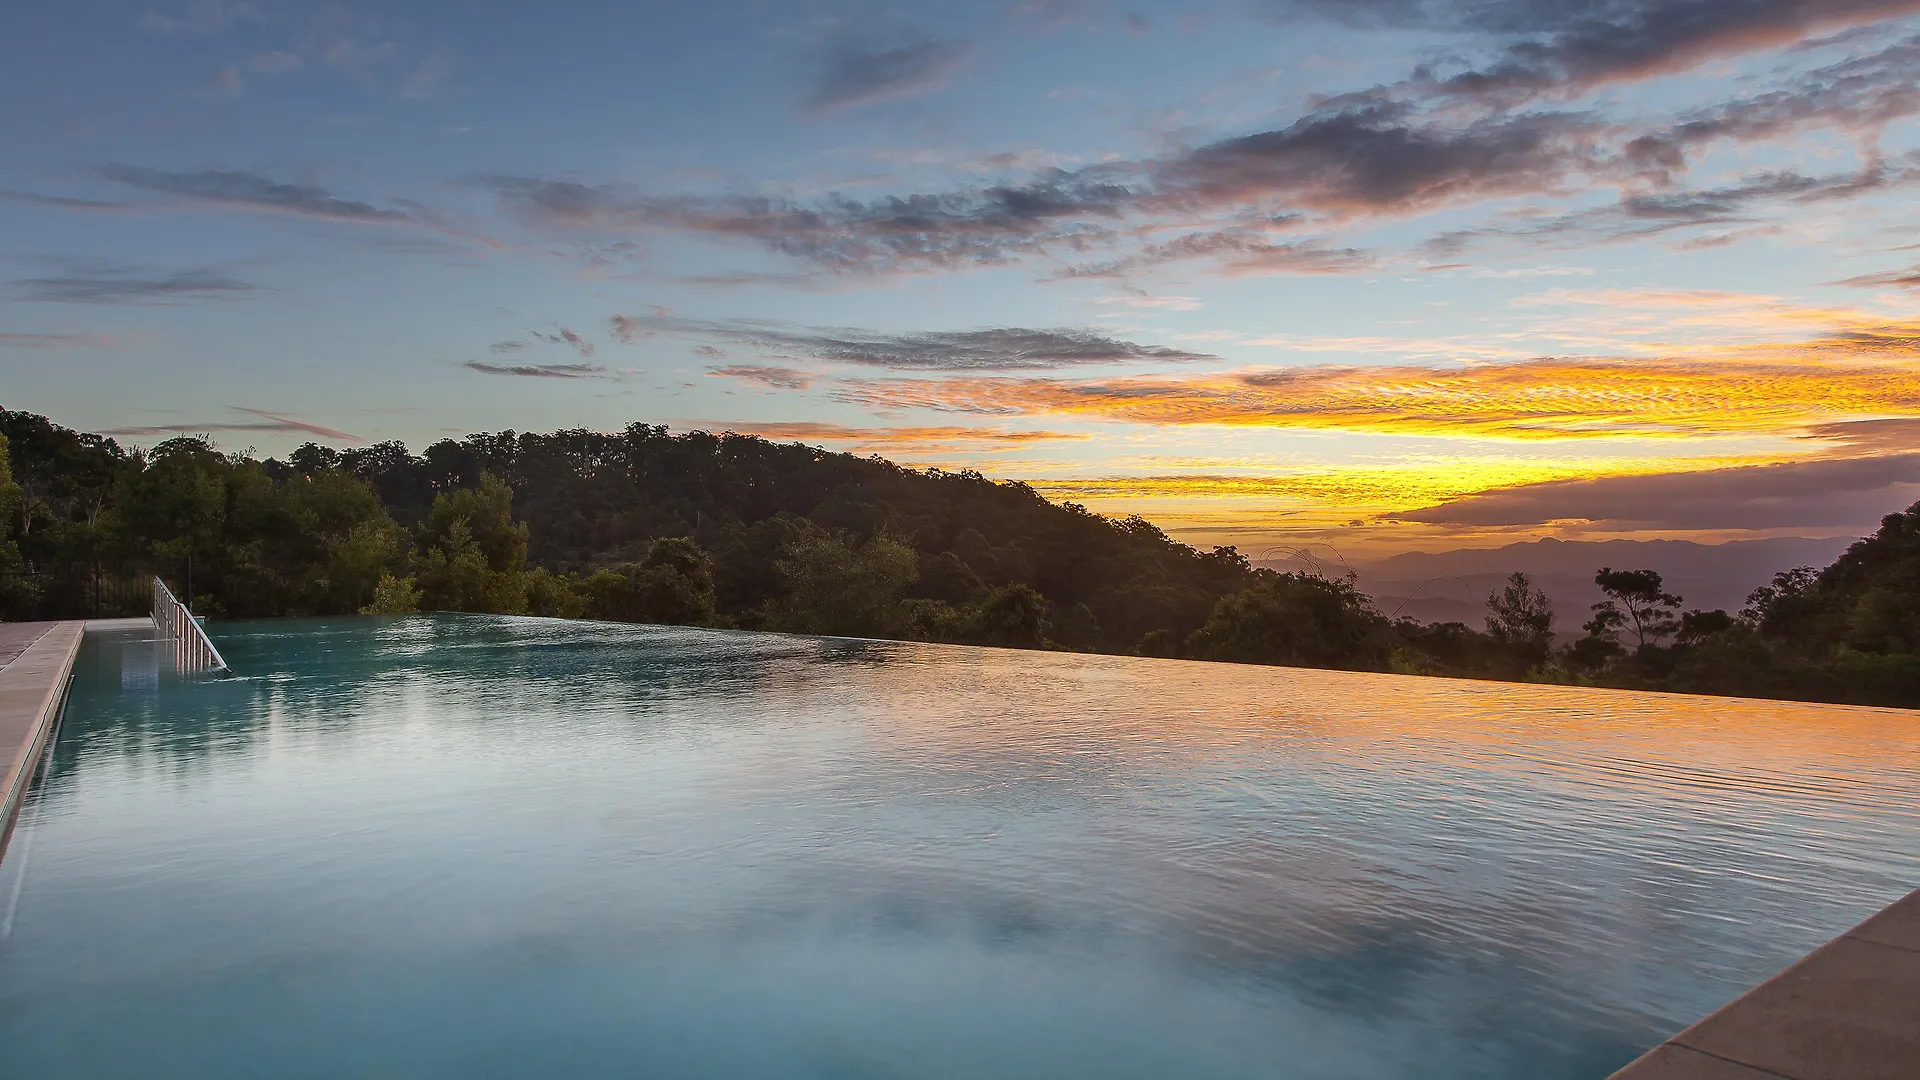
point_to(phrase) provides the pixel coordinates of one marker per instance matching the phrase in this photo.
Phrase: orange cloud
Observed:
(920, 439)
(1780, 390)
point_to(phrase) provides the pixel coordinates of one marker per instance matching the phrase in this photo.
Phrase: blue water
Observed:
(478, 847)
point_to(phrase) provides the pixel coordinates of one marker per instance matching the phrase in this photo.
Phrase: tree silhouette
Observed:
(1641, 600)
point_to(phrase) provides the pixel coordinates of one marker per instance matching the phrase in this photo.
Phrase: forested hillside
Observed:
(734, 531)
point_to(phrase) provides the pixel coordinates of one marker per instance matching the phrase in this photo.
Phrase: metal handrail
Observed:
(193, 650)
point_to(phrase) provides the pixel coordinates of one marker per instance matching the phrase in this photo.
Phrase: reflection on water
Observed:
(477, 847)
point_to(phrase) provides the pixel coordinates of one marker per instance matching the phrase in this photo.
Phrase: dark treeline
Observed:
(734, 531)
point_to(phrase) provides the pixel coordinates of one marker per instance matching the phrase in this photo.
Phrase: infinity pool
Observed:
(473, 847)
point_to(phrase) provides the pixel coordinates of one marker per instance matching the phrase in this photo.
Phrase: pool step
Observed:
(1849, 1011)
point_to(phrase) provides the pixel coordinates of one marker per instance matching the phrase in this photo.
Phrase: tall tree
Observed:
(1520, 621)
(1641, 599)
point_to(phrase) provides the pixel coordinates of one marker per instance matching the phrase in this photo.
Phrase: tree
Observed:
(16, 592)
(1520, 621)
(1641, 601)
(393, 596)
(473, 555)
(1591, 654)
(1301, 620)
(673, 585)
(1697, 626)
(1014, 616)
(10, 506)
(1777, 607)
(358, 562)
(845, 591)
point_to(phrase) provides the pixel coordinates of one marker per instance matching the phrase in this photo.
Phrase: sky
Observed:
(1375, 274)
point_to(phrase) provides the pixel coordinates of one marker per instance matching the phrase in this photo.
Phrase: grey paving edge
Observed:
(32, 689)
(1849, 1010)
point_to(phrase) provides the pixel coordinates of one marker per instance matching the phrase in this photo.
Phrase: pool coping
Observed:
(1849, 1010)
(32, 688)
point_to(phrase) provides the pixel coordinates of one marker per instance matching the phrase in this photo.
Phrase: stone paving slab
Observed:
(16, 636)
(1849, 1011)
(32, 685)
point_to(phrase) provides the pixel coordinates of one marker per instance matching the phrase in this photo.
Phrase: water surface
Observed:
(474, 847)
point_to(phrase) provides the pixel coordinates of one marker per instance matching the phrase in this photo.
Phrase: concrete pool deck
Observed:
(37, 659)
(1850, 1010)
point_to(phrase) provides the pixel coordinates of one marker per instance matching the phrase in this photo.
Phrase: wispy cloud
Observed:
(777, 378)
(1543, 46)
(539, 371)
(854, 77)
(1886, 279)
(265, 422)
(1000, 348)
(564, 336)
(891, 438)
(1648, 214)
(239, 190)
(89, 284)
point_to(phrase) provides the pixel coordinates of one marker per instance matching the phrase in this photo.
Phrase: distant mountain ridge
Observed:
(1443, 586)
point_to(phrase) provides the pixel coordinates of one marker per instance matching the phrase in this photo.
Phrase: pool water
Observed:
(475, 847)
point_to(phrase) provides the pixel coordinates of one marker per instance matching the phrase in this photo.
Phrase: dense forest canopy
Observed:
(732, 530)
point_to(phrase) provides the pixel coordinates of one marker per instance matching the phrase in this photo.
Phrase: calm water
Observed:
(476, 847)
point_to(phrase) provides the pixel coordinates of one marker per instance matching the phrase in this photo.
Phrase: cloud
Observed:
(1822, 493)
(54, 341)
(121, 285)
(502, 348)
(1545, 399)
(891, 438)
(1888, 279)
(1861, 94)
(1870, 436)
(777, 378)
(68, 203)
(972, 227)
(855, 77)
(1647, 214)
(564, 336)
(236, 190)
(1369, 158)
(626, 329)
(1555, 46)
(539, 371)
(1275, 200)
(1235, 253)
(1375, 156)
(267, 422)
(991, 349)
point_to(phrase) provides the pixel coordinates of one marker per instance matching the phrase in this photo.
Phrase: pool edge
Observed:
(32, 689)
(1849, 1009)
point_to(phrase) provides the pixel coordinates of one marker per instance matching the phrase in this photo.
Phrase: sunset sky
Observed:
(1383, 273)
